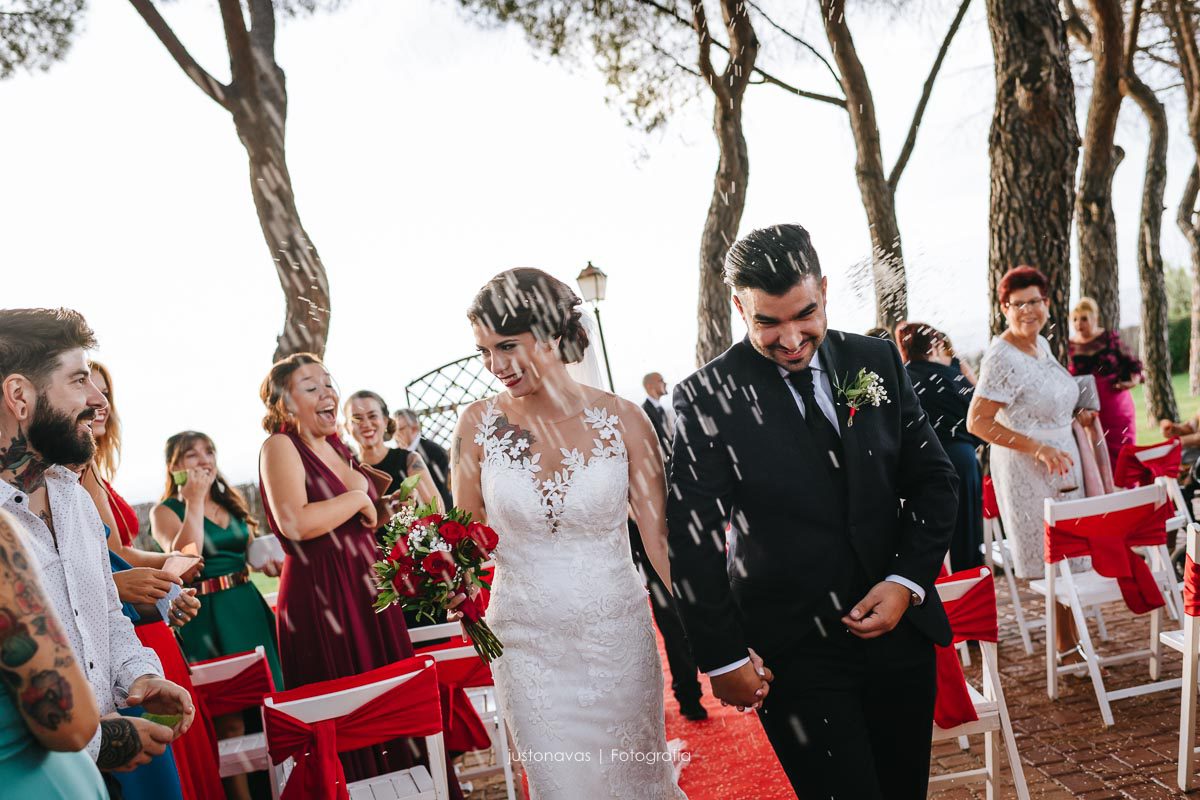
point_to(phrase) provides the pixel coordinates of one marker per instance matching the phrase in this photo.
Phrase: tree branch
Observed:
(1076, 27)
(911, 140)
(743, 46)
(700, 25)
(767, 78)
(1131, 36)
(1187, 204)
(212, 87)
(762, 73)
(241, 54)
(836, 78)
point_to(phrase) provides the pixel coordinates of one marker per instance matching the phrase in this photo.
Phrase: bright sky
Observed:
(428, 155)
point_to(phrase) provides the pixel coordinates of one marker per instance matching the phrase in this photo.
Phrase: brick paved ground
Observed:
(1065, 748)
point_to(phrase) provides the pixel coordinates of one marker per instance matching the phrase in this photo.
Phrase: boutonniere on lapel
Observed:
(865, 389)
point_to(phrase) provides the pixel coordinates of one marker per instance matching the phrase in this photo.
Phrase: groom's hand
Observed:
(878, 612)
(745, 687)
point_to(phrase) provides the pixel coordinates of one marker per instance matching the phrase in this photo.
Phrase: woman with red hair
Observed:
(1024, 404)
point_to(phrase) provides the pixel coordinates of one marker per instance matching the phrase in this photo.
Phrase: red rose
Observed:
(405, 584)
(483, 536)
(452, 532)
(432, 519)
(399, 550)
(440, 565)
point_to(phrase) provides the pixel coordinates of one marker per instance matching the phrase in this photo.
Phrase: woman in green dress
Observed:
(208, 516)
(47, 712)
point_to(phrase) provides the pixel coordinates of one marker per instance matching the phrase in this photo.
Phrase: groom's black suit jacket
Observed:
(744, 456)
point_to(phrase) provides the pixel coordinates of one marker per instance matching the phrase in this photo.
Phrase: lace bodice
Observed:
(523, 493)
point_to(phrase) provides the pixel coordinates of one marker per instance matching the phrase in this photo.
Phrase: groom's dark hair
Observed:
(772, 259)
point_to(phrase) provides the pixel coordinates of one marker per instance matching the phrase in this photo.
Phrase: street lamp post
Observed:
(592, 283)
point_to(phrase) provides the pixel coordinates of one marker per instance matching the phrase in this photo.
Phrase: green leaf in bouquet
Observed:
(408, 486)
(169, 720)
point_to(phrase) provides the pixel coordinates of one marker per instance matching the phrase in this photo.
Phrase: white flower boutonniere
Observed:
(865, 389)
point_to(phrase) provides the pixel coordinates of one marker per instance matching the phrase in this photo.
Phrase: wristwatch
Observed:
(914, 599)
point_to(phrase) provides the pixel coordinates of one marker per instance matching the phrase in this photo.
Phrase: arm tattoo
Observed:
(456, 452)
(47, 700)
(119, 743)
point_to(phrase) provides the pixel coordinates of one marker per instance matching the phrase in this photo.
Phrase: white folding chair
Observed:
(1078, 591)
(997, 553)
(218, 679)
(990, 708)
(1186, 641)
(416, 783)
(483, 699)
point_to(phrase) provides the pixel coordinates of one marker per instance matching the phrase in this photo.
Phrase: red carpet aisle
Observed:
(730, 756)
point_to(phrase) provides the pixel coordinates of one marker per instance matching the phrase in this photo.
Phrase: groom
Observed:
(837, 532)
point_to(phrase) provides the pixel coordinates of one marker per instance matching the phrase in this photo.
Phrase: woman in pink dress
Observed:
(1095, 351)
(325, 506)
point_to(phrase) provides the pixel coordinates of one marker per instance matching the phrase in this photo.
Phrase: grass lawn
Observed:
(1147, 431)
(265, 585)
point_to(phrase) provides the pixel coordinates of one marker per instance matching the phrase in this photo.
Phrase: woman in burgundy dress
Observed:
(324, 507)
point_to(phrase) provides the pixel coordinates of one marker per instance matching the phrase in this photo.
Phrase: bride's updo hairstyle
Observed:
(526, 300)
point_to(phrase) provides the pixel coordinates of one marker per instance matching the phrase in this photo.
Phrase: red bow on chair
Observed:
(410, 709)
(972, 618)
(463, 727)
(1191, 588)
(1131, 472)
(239, 692)
(991, 509)
(1107, 539)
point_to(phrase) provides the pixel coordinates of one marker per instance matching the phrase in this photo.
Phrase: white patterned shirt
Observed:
(77, 581)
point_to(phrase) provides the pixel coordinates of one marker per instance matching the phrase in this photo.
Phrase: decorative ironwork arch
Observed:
(438, 396)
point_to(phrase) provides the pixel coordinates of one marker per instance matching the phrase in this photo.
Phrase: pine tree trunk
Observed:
(720, 231)
(733, 170)
(879, 201)
(1033, 147)
(1095, 222)
(1156, 354)
(1189, 226)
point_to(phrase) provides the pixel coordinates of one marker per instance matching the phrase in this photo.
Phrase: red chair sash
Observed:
(972, 618)
(1191, 588)
(239, 692)
(410, 709)
(991, 509)
(464, 729)
(1130, 472)
(1107, 538)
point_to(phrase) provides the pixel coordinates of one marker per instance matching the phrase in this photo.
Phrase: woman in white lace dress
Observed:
(556, 467)
(1024, 404)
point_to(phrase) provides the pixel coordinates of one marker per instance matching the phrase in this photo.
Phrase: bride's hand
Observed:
(457, 600)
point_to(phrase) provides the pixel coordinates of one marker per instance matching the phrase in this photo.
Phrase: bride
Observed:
(555, 466)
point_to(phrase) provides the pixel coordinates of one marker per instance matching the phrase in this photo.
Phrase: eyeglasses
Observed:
(1031, 305)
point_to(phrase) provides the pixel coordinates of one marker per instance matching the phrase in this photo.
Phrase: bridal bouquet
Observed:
(432, 557)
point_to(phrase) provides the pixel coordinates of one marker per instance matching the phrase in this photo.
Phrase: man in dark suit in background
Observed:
(684, 683)
(661, 417)
(823, 612)
(408, 437)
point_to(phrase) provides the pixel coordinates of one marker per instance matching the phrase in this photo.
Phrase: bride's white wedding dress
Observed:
(580, 681)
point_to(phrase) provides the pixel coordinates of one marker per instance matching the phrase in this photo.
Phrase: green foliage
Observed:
(1179, 293)
(1179, 343)
(36, 33)
(642, 49)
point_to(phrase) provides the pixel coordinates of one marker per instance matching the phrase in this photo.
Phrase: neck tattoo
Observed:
(29, 471)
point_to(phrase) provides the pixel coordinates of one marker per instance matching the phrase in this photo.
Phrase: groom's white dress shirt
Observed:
(73, 566)
(823, 393)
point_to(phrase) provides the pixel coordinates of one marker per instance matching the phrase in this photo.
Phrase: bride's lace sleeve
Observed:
(998, 379)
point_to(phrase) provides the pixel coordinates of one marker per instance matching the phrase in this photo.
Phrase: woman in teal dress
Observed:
(208, 514)
(42, 735)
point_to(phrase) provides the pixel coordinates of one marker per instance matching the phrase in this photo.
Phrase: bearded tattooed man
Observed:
(47, 402)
